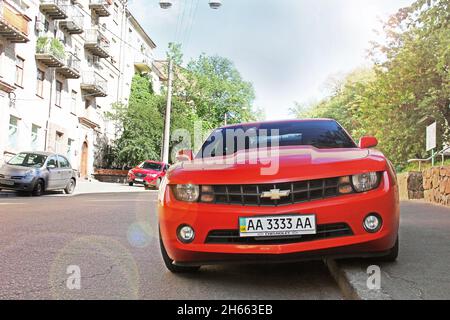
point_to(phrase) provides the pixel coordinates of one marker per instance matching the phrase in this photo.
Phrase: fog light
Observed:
(372, 223)
(186, 234)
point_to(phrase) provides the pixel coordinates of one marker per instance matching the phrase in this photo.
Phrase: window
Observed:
(73, 102)
(34, 137)
(69, 148)
(59, 86)
(59, 141)
(63, 162)
(13, 131)
(40, 83)
(326, 134)
(52, 162)
(28, 160)
(20, 63)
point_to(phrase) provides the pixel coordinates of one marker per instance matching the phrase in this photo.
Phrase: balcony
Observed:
(96, 43)
(143, 64)
(94, 84)
(74, 22)
(50, 51)
(100, 7)
(13, 24)
(54, 9)
(71, 68)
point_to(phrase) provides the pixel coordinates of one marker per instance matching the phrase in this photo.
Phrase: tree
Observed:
(409, 81)
(214, 87)
(141, 124)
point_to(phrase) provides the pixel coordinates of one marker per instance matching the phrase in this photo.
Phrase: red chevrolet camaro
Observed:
(277, 192)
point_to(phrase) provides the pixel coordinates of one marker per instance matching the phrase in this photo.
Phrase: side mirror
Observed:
(185, 155)
(368, 142)
(51, 166)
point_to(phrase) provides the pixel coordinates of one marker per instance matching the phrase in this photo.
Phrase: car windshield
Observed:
(151, 166)
(28, 160)
(326, 134)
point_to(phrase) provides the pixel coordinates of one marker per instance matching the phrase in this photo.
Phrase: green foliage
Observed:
(214, 87)
(50, 45)
(409, 81)
(205, 91)
(141, 124)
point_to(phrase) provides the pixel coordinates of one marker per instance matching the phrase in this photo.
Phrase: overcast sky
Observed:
(288, 49)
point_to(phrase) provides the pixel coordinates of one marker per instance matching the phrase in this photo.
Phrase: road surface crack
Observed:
(414, 287)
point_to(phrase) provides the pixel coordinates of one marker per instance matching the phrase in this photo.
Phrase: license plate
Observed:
(268, 226)
(139, 180)
(7, 182)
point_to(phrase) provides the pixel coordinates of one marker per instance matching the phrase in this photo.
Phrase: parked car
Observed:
(148, 173)
(325, 197)
(37, 172)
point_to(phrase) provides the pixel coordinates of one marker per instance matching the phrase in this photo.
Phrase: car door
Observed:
(54, 176)
(65, 169)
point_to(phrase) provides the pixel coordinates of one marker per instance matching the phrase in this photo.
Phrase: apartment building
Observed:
(63, 64)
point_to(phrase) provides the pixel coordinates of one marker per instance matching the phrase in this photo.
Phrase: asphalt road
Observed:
(111, 239)
(422, 271)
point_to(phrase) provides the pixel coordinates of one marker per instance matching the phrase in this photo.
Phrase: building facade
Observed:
(63, 64)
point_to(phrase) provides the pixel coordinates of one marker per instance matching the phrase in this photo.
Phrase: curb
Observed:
(352, 282)
(341, 278)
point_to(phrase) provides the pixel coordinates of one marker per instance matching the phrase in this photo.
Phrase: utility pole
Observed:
(168, 113)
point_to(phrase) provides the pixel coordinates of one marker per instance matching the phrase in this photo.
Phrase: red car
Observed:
(149, 173)
(277, 192)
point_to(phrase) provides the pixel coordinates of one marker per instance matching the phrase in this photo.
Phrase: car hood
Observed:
(11, 170)
(277, 165)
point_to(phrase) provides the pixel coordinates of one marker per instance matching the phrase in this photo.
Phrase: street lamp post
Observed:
(168, 114)
(166, 4)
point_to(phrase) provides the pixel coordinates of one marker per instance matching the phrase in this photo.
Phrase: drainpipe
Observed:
(47, 124)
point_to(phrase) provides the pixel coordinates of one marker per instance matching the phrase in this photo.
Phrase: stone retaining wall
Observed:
(436, 184)
(410, 185)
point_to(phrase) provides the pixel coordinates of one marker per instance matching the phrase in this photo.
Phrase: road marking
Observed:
(10, 203)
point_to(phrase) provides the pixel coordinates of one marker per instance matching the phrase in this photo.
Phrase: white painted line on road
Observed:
(11, 203)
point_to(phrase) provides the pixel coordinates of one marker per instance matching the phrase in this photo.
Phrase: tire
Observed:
(169, 262)
(38, 189)
(393, 253)
(69, 189)
(130, 184)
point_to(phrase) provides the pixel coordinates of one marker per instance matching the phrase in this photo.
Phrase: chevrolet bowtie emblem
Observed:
(276, 194)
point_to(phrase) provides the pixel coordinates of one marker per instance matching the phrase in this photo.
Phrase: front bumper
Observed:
(19, 185)
(148, 181)
(349, 209)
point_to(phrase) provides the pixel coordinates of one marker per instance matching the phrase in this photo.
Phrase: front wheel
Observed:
(169, 262)
(38, 189)
(130, 184)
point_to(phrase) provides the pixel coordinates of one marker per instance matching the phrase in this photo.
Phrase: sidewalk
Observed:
(87, 187)
(421, 271)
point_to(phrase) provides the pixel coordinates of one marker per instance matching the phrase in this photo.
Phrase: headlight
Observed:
(29, 174)
(130, 172)
(366, 181)
(153, 175)
(186, 192)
